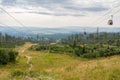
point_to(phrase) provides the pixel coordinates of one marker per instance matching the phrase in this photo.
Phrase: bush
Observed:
(4, 57)
(17, 73)
(41, 47)
(7, 55)
(91, 55)
(86, 50)
(79, 51)
(92, 52)
(12, 56)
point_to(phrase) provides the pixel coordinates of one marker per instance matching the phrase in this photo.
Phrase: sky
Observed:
(60, 13)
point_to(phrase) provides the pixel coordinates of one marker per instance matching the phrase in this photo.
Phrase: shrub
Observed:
(7, 55)
(79, 51)
(91, 55)
(4, 57)
(17, 73)
(90, 52)
(86, 50)
(12, 56)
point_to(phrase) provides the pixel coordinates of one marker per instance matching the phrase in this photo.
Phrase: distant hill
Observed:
(54, 31)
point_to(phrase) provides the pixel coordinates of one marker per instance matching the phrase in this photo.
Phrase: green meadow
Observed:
(42, 65)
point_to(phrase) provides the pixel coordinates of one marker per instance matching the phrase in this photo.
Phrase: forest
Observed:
(91, 45)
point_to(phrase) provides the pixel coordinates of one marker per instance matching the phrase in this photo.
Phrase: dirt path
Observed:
(22, 50)
(28, 62)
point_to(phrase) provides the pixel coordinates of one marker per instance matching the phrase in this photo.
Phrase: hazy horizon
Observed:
(59, 13)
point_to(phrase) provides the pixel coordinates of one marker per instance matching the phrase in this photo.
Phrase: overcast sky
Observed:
(59, 13)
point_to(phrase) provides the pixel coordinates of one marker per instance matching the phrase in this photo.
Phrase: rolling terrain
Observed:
(42, 65)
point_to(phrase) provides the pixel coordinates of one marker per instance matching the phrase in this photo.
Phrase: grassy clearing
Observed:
(48, 66)
(77, 69)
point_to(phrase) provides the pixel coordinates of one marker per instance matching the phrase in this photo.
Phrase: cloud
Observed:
(8, 2)
(89, 9)
(52, 13)
(57, 7)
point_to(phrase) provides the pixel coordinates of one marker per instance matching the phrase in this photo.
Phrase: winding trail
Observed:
(23, 50)
(28, 62)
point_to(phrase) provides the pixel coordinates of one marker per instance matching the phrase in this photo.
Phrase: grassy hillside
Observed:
(33, 65)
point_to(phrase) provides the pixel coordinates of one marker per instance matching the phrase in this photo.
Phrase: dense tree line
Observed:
(8, 41)
(85, 45)
(93, 38)
(94, 45)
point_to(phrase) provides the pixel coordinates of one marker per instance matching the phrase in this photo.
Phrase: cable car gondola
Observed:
(110, 22)
(85, 33)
